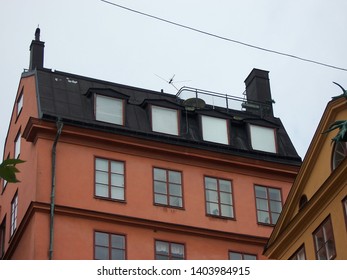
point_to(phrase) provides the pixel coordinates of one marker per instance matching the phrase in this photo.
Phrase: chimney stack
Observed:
(258, 93)
(36, 52)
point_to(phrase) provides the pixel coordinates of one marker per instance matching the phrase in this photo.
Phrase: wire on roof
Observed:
(225, 38)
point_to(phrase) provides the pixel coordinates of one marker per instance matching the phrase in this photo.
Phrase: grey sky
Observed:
(94, 39)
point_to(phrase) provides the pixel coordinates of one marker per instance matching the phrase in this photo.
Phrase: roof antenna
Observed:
(170, 81)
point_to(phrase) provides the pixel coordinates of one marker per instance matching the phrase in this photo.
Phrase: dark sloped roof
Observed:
(70, 97)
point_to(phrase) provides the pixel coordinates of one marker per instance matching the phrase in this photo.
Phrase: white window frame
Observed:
(165, 120)
(212, 125)
(17, 145)
(14, 214)
(114, 113)
(263, 138)
(20, 103)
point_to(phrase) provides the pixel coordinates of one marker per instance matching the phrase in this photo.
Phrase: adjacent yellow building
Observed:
(313, 223)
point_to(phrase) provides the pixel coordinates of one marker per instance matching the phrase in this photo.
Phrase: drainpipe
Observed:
(54, 150)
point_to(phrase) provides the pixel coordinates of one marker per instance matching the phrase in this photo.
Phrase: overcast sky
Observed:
(94, 39)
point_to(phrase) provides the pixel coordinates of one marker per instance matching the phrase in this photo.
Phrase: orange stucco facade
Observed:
(79, 213)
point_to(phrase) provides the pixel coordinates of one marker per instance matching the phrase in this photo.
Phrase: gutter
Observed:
(54, 150)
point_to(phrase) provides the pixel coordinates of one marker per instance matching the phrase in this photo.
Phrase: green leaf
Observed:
(8, 170)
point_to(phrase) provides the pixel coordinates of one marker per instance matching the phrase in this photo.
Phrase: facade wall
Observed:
(305, 236)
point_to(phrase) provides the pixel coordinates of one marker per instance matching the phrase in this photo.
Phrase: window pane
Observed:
(101, 253)
(330, 247)
(225, 186)
(249, 257)
(227, 211)
(235, 256)
(161, 199)
(101, 164)
(160, 187)
(212, 208)
(117, 167)
(210, 183)
(260, 192)
(175, 190)
(176, 201)
(174, 177)
(109, 109)
(263, 217)
(17, 146)
(101, 239)
(263, 138)
(117, 241)
(212, 196)
(162, 248)
(275, 206)
(319, 237)
(101, 177)
(322, 254)
(117, 193)
(164, 120)
(159, 174)
(215, 130)
(101, 190)
(225, 198)
(118, 254)
(117, 180)
(274, 194)
(262, 204)
(177, 251)
(274, 217)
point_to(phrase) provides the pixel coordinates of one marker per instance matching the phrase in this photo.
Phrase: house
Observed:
(313, 223)
(117, 172)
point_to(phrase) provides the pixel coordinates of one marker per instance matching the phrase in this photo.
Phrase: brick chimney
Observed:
(258, 93)
(36, 52)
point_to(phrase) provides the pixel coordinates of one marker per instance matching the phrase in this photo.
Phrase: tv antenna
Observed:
(171, 80)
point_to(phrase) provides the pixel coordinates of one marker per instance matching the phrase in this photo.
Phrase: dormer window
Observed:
(263, 138)
(109, 109)
(164, 120)
(215, 130)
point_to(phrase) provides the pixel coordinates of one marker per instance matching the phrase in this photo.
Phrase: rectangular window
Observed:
(241, 256)
(263, 138)
(269, 204)
(169, 251)
(164, 120)
(17, 146)
(215, 130)
(109, 246)
(14, 212)
(324, 241)
(219, 200)
(168, 187)
(300, 254)
(109, 179)
(20, 103)
(2, 237)
(108, 109)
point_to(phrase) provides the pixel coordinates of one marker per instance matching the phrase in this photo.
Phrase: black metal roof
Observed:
(70, 98)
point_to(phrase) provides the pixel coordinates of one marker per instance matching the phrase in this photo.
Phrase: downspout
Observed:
(54, 151)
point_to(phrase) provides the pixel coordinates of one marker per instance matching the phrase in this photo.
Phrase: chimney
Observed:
(36, 52)
(258, 93)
